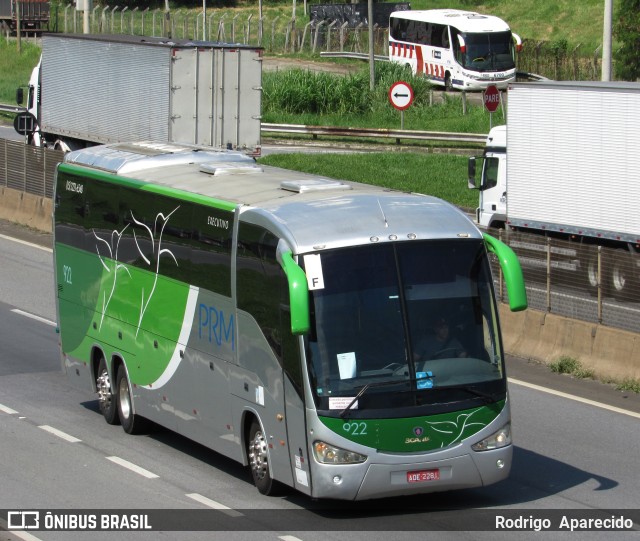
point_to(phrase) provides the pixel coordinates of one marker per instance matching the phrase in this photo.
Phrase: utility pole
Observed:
(372, 69)
(606, 40)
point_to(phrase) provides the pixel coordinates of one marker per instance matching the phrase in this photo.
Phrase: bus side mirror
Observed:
(298, 293)
(472, 173)
(518, 42)
(511, 270)
(19, 96)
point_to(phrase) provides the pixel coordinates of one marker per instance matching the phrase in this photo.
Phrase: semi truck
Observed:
(89, 90)
(571, 174)
(33, 14)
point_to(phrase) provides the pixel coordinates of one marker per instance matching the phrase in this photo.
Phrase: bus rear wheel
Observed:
(131, 423)
(258, 456)
(106, 398)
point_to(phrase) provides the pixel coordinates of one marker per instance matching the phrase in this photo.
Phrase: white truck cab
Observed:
(492, 210)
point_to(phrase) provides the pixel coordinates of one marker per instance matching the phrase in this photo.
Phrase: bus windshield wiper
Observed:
(368, 386)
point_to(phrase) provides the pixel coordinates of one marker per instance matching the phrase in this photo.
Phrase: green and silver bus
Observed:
(284, 319)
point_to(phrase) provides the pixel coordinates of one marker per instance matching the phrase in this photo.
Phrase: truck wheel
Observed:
(591, 273)
(106, 398)
(622, 276)
(131, 423)
(258, 456)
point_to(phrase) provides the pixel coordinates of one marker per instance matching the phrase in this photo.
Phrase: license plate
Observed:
(422, 476)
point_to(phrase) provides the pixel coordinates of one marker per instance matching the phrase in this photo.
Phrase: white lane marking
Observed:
(575, 398)
(33, 316)
(214, 505)
(131, 466)
(8, 410)
(18, 533)
(26, 243)
(59, 433)
(289, 538)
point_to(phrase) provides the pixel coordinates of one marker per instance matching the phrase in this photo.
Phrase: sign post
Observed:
(401, 97)
(491, 98)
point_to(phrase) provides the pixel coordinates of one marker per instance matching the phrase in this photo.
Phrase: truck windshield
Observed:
(488, 51)
(412, 323)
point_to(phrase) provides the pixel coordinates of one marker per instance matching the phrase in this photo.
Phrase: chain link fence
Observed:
(28, 169)
(581, 281)
(293, 34)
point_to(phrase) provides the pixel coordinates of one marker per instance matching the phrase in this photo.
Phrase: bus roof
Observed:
(306, 210)
(465, 21)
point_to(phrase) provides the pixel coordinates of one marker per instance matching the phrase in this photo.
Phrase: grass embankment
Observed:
(441, 175)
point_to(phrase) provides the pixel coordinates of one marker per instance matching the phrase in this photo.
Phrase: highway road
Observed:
(576, 448)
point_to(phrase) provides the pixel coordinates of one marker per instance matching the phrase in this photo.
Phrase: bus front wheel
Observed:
(257, 453)
(448, 85)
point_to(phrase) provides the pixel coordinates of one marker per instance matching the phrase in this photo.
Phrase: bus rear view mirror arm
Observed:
(512, 272)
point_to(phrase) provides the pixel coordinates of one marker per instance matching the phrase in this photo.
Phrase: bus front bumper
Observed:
(380, 480)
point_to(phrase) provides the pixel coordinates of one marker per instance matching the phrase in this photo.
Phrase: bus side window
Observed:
(445, 37)
(435, 34)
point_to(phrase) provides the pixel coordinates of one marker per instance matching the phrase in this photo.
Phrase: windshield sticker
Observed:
(347, 365)
(313, 270)
(342, 402)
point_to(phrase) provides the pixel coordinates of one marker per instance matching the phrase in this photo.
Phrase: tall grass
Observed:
(15, 68)
(316, 98)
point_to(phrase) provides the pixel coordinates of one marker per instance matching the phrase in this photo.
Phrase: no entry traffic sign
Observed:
(401, 95)
(491, 98)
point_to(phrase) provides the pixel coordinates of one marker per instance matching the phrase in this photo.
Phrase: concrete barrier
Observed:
(26, 209)
(532, 334)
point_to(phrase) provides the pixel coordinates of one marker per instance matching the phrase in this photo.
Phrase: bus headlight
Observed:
(329, 454)
(498, 439)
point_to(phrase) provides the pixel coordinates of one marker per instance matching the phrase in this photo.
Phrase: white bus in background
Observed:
(454, 48)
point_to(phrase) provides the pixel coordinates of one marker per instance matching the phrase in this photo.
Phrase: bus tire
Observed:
(131, 423)
(258, 456)
(106, 397)
(448, 85)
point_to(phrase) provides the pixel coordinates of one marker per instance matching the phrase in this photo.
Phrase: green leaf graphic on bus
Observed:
(145, 235)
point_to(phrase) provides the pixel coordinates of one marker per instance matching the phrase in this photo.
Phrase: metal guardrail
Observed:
(354, 56)
(382, 133)
(12, 108)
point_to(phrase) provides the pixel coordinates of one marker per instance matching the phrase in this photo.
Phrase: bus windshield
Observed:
(413, 323)
(489, 51)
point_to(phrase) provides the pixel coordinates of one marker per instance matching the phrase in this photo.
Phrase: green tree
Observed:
(627, 33)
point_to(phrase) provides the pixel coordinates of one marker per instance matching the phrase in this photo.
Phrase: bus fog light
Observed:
(337, 479)
(500, 464)
(329, 454)
(500, 438)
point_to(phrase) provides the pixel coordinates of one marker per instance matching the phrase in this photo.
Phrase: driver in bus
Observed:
(439, 343)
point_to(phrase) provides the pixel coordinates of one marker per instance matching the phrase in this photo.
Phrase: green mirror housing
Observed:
(512, 272)
(298, 294)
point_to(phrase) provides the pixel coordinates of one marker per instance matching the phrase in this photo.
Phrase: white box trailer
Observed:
(104, 89)
(572, 150)
(571, 173)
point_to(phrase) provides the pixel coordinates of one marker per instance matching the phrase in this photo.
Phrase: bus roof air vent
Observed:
(217, 169)
(313, 185)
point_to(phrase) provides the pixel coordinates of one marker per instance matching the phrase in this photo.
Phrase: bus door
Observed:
(266, 383)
